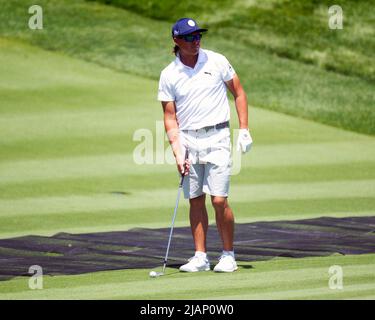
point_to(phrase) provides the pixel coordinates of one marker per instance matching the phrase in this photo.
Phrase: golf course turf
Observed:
(66, 165)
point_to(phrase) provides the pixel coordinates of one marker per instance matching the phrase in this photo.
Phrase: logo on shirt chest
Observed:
(209, 77)
(202, 80)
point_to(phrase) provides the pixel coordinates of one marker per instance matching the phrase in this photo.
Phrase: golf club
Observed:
(154, 274)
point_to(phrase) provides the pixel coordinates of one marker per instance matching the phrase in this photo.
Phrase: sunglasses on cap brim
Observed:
(191, 37)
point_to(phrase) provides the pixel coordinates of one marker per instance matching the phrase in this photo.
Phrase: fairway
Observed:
(66, 165)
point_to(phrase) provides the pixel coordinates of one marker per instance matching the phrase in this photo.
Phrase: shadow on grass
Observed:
(120, 193)
(245, 266)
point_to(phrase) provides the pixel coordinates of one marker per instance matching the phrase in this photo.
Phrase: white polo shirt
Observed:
(199, 93)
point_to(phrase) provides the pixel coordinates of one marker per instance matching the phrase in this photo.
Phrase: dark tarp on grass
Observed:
(69, 254)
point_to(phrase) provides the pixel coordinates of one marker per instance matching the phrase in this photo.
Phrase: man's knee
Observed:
(219, 202)
(198, 202)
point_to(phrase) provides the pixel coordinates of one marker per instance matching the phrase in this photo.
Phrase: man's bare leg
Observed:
(224, 221)
(199, 222)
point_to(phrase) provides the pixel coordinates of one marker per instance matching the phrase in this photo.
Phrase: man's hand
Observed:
(244, 141)
(183, 165)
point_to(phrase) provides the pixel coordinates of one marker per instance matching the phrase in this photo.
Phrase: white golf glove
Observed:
(244, 140)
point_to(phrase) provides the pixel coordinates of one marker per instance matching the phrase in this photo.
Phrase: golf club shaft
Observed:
(170, 233)
(175, 211)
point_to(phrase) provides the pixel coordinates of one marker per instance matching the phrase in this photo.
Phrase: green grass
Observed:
(67, 157)
(66, 160)
(286, 57)
(280, 278)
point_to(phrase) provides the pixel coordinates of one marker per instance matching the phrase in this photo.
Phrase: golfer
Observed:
(193, 93)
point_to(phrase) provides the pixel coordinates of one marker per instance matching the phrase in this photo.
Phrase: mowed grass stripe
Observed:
(310, 154)
(305, 294)
(109, 118)
(44, 126)
(279, 264)
(67, 168)
(42, 82)
(64, 128)
(164, 197)
(108, 129)
(114, 164)
(305, 279)
(127, 183)
(160, 217)
(72, 147)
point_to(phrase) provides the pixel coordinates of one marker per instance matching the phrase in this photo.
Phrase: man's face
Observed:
(189, 44)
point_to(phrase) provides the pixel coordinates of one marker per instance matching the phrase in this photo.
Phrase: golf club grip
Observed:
(183, 175)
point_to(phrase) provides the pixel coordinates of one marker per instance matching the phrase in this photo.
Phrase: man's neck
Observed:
(189, 60)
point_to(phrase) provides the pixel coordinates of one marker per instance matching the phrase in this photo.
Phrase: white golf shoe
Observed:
(195, 264)
(227, 263)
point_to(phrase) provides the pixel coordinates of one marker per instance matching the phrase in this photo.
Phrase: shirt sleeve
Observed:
(227, 71)
(165, 92)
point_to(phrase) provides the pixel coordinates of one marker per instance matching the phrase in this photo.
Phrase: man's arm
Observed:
(172, 130)
(244, 140)
(240, 99)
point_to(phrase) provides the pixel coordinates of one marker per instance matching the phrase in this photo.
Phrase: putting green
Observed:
(67, 165)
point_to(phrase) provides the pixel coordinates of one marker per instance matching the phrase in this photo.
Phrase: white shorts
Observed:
(209, 154)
